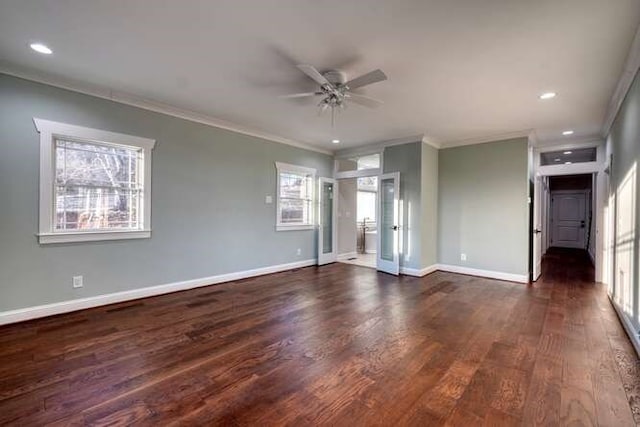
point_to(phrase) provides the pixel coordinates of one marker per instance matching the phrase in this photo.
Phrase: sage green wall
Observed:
(209, 214)
(624, 140)
(483, 206)
(429, 206)
(407, 159)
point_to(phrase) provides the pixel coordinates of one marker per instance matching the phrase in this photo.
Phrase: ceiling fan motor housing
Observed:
(335, 77)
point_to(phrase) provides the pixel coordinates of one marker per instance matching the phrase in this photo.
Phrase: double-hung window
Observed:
(94, 184)
(295, 197)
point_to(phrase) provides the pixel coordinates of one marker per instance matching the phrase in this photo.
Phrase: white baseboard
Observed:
(628, 327)
(510, 277)
(345, 256)
(29, 313)
(418, 272)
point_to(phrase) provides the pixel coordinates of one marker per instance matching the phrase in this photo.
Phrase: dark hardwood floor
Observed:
(340, 345)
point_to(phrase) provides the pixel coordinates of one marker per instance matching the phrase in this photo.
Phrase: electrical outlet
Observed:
(299, 251)
(77, 282)
(268, 200)
(463, 257)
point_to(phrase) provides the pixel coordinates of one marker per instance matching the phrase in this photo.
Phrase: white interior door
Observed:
(327, 247)
(537, 228)
(569, 220)
(388, 256)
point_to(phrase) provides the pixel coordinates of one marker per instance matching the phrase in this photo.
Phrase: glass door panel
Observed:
(388, 219)
(326, 221)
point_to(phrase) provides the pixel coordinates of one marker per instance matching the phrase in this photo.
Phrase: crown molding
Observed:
(376, 147)
(631, 67)
(490, 138)
(150, 105)
(431, 142)
(563, 144)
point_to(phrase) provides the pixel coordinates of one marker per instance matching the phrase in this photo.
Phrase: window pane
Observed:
(79, 163)
(88, 208)
(580, 155)
(366, 207)
(98, 187)
(369, 183)
(371, 161)
(294, 211)
(295, 186)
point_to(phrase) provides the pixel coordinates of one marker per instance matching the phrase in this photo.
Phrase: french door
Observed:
(327, 251)
(388, 223)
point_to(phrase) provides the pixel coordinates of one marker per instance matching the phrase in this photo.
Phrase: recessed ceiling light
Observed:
(567, 163)
(548, 95)
(335, 141)
(567, 132)
(567, 152)
(41, 48)
(557, 160)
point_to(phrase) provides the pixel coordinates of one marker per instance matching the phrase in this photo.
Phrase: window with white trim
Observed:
(94, 184)
(295, 197)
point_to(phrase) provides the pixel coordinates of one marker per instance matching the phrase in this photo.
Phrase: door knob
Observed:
(394, 227)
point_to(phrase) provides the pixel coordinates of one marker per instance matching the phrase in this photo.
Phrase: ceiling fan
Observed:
(335, 90)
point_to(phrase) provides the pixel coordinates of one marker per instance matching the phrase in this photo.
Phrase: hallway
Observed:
(599, 368)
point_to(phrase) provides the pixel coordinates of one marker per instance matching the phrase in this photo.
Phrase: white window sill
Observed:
(294, 227)
(91, 236)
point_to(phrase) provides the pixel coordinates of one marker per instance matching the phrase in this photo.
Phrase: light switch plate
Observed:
(268, 200)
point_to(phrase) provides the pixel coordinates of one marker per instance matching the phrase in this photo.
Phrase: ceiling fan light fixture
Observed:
(336, 91)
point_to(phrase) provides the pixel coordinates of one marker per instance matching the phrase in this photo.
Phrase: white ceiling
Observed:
(458, 69)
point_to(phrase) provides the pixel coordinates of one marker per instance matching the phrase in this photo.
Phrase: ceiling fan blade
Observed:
(300, 95)
(365, 101)
(311, 71)
(374, 76)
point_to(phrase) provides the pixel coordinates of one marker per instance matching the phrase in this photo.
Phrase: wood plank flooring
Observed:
(334, 345)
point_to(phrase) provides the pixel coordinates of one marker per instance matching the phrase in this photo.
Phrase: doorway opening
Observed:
(358, 208)
(570, 213)
(368, 213)
(366, 221)
(362, 234)
(565, 218)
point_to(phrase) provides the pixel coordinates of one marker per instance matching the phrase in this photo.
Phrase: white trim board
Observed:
(418, 272)
(509, 277)
(628, 327)
(489, 138)
(150, 105)
(345, 256)
(375, 147)
(30, 313)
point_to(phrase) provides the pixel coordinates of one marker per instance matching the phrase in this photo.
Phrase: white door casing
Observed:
(537, 228)
(388, 255)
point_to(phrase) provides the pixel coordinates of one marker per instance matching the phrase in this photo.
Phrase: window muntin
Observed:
(295, 197)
